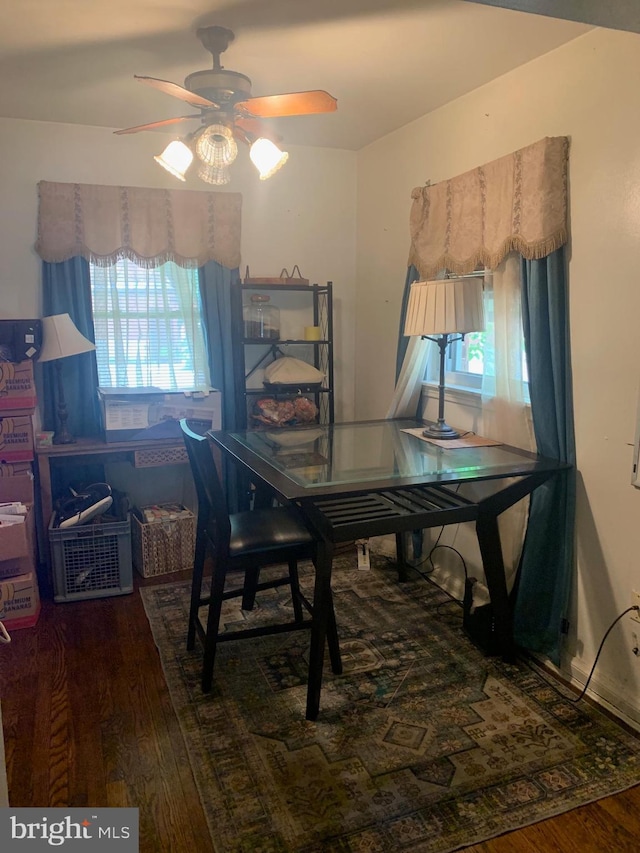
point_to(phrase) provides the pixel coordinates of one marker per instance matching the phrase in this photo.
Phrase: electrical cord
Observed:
(602, 642)
(428, 559)
(593, 667)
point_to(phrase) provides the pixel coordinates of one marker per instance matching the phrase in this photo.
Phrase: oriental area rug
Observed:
(422, 744)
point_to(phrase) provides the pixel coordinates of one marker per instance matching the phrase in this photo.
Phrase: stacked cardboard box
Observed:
(19, 596)
(17, 405)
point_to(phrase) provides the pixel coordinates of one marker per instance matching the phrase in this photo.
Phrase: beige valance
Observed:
(148, 226)
(517, 203)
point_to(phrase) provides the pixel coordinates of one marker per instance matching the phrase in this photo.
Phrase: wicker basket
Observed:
(156, 457)
(163, 546)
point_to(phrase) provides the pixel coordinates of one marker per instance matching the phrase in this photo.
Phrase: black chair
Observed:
(243, 541)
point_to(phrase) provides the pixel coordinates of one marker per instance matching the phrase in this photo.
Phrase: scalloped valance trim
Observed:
(516, 203)
(104, 224)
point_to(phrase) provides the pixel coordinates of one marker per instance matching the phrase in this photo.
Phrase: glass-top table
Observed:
(304, 462)
(371, 478)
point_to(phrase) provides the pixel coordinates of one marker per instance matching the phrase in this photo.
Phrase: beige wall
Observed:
(587, 90)
(304, 215)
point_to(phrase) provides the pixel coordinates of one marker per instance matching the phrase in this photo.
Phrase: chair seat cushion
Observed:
(266, 529)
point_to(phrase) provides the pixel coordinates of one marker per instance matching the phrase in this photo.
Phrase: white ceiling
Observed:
(386, 61)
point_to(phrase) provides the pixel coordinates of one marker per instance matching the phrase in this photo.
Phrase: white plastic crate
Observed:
(91, 560)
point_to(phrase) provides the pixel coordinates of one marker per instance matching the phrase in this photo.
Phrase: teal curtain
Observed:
(216, 283)
(67, 290)
(216, 294)
(546, 567)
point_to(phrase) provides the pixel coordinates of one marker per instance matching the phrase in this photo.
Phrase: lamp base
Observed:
(441, 431)
(63, 437)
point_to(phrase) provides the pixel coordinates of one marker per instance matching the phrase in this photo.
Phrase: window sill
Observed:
(454, 393)
(461, 394)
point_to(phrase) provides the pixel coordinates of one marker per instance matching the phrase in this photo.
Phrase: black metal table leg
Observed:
(401, 558)
(491, 551)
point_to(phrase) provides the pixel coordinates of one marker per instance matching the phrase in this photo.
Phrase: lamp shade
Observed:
(267, 157)
(61, 338)
(445, 307)
(176, 158)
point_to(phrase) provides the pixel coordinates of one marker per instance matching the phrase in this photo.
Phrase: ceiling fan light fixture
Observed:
(217, 175)
(267, 157)
(176, 158)
(215, 146)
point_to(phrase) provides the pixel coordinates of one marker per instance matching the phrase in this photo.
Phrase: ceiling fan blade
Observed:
(292, 104)
(155, 124)
(177, 92)
(255, 128)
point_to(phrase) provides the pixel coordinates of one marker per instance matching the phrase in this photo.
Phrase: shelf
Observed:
(304, 288)
(252, 392)
(318, 307)
(267, 342)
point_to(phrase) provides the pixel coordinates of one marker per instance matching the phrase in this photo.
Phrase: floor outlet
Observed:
(635, 602)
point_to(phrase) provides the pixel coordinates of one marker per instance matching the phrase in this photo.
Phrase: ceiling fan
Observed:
(228, 112)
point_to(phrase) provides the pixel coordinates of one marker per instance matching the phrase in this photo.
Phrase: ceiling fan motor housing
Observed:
(222, 87)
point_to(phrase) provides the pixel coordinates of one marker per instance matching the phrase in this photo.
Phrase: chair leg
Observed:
(332, 639)
(213, 627)
(295, 590)
(251, 578)
(322, 607)
(196, 588)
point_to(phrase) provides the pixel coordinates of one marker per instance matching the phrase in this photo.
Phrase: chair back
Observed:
(212, 502)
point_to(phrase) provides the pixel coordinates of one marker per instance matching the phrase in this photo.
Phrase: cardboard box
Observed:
(128, 411)
(16, 469)
(16, 489)
(17, 541)
(16, 438)
(17, 387)
(19, 601)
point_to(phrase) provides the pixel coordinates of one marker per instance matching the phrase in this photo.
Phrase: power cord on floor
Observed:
(425, 574)
(600, 647)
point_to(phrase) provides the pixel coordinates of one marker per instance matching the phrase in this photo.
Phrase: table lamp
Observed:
(62, 339)
(449, 309)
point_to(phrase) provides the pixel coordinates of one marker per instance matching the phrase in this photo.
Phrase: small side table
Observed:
(140, 454)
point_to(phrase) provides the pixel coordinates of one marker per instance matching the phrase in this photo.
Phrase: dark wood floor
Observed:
(88, 722)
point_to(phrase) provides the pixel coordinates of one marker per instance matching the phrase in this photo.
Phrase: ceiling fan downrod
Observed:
(216, 40)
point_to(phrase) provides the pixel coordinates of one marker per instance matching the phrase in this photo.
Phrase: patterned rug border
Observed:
(368, 839)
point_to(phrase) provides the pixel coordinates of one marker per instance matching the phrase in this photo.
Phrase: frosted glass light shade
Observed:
(61, 338)
(267, 157)
(453, 305)
(176, 158)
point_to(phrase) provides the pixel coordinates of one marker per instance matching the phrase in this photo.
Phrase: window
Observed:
(470, 360)
(149, 327)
